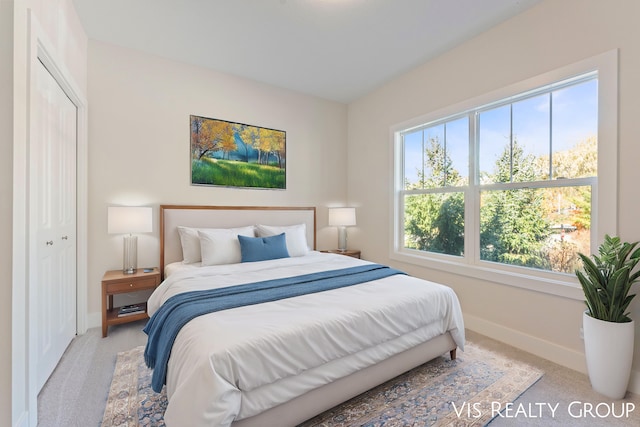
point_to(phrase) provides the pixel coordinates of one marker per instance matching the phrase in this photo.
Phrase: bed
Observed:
(280, 362)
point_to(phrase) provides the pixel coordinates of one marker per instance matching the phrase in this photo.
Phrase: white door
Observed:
(52, 223)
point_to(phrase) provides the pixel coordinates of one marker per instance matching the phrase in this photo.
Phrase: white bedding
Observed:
(175, 267)
(236, 363)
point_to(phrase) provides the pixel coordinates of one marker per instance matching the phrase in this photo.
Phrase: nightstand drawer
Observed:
(131, 285)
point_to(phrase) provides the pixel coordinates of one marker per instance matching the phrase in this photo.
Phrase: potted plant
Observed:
(608, 330)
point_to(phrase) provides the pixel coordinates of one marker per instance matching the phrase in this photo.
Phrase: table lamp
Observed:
(342, 218)
(128, 220)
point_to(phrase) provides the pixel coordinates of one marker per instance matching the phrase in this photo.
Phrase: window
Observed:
(436, 174)
(506, 184)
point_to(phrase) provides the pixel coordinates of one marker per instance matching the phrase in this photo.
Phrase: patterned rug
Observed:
(443, 392)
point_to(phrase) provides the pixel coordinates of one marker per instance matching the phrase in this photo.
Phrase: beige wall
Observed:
(548, 36)
(6, 193)
(139, 107)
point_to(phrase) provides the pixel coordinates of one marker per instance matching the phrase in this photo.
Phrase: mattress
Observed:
(237, 363)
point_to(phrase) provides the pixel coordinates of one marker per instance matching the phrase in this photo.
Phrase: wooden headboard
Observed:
(172, 216)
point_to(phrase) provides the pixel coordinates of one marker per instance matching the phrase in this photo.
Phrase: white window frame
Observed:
(604, 196)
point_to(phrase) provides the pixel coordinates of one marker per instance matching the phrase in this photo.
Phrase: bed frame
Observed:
(325, 397)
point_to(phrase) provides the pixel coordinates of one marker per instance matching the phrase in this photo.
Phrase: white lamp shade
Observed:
(342, 217)
(129, 219)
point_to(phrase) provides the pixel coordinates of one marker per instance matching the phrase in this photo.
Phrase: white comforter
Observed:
(237, 363)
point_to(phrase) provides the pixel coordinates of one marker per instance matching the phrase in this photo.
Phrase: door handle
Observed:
(49, 243)
(65, 237)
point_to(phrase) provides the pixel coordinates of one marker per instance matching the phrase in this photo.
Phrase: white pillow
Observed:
(190, 244)
(221, 245)
(295, 235)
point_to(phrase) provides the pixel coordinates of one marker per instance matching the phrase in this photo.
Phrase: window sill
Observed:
(562, 285)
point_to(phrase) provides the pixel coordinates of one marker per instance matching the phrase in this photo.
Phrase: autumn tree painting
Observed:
(236, 155)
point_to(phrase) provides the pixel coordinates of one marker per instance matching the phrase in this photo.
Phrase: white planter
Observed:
(608, 347)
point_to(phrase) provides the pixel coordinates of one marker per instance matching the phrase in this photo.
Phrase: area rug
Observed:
(467, 391)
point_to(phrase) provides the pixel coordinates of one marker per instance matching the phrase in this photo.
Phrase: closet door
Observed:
(52, 223)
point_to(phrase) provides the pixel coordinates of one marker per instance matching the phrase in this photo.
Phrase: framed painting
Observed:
(233, 154)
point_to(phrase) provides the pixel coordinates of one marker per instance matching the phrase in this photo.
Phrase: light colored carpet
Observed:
(467, 391)
(76, 392)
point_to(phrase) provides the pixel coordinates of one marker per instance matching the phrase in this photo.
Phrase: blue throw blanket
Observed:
(164, 325)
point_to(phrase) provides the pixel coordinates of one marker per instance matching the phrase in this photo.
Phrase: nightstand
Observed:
(348, 252)
(116, 282)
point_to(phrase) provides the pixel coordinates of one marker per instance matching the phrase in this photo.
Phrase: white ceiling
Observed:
(334, 49)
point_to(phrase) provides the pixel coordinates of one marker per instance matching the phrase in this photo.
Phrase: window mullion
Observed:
(423, 157)
(471, 206)
(435, 190)
(511, 142)
(444, 157)
(568, 182)
(551, 135)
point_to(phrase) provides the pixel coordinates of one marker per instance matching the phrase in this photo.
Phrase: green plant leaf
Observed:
(606, 279)
(617, 292)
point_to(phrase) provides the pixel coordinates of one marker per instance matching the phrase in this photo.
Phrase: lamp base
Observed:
(130, 254)
(342, 239)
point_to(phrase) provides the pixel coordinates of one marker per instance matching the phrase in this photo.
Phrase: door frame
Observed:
(24, 331)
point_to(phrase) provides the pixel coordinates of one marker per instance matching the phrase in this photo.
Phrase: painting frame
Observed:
(224, 153)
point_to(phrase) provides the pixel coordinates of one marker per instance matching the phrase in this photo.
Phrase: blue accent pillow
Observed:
(263, 248)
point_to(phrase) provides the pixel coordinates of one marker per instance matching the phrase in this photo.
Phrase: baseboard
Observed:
(634, 382)
(547, 350)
